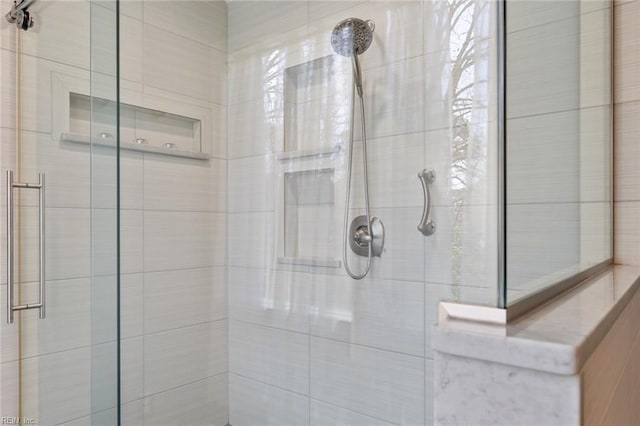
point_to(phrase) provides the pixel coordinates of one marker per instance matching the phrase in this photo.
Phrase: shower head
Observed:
(351, 36)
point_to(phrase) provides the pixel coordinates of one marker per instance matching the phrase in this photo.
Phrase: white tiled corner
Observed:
(251, 184)
(274, 298)
(269, 355)
(184, 355)
(198, 295)
(253, 403)
(251, 246)
(255, 127)
(195, 69)
(204, 22)
(200, 402)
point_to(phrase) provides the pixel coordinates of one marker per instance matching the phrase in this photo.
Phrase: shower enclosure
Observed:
(197, 158)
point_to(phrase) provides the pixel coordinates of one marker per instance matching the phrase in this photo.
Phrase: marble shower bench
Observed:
(573, 361)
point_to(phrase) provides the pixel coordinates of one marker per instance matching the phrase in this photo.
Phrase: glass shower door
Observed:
(59, 334)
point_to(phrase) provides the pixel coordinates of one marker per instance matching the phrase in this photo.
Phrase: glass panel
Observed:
(104, 127)
(63, 367)
(306, 341)
(558, 141)
(174, 212)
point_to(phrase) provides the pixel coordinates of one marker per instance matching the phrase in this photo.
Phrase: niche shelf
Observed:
(308, 215)
(131, 146)
(316, 103)
(148, 123)
(316, 117)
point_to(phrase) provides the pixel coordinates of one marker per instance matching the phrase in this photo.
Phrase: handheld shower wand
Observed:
(365, 236)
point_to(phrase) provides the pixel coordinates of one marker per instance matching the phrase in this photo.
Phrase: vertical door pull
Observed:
(426, 225)
(40, 305)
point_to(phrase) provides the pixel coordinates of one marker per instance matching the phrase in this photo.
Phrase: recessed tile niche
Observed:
(147, 123)
(316, 105)
(317, 110)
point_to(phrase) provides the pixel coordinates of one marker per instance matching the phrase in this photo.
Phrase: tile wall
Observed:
(307, 344)
(627, 131)
(173, 219)
(558, 141)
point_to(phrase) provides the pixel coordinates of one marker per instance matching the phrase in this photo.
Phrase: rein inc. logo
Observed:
(17, 421)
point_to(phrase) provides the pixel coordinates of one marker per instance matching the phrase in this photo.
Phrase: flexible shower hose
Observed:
(357, 84)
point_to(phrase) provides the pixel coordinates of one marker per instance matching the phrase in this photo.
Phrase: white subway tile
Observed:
(57, 387)
(403, 255)
(274, 298)
(172, 183)
(9, 388)
(626, 233)
(627, 152)
(131, 305)
(269, 355)
(202, 402)
(393, 166)
(184, 355)
(251, 184)
(132, 368)
(627, 52)
(253, 242)
(67, 239)
(177, 240)
(254, 22)
(463, 250)
(256, 127)
(204, 22)
(325, 414)
(385, 385)
(383, 314)
(68, 321)
(184, 297)
(255, 403)
(183, 66)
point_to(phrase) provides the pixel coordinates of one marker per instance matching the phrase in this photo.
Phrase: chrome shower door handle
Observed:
(427, 226)
(40, 305)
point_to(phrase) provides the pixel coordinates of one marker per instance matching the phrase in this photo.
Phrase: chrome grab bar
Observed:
(11, 308)
(426, 225)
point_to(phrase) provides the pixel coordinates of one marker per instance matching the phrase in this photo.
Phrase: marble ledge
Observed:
(556, 338)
